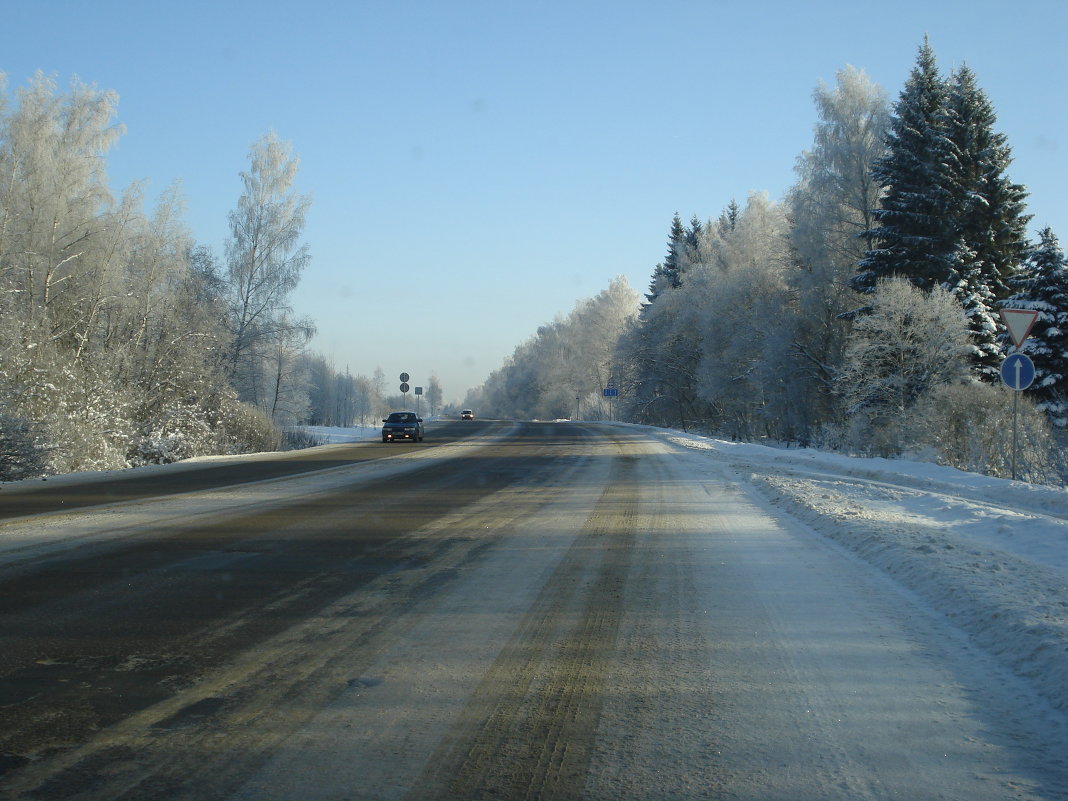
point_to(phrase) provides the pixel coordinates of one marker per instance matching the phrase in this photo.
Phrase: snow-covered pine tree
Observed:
(912, 236)
(987, 214)
(974, 290)
(1042, 286)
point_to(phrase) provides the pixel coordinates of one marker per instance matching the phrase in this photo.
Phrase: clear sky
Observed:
(478, 167)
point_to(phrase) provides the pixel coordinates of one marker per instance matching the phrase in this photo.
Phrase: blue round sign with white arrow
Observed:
(1018, 371)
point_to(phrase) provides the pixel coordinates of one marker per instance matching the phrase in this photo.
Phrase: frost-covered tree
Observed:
(830, 209)
(729, 218)
(911, 342)
(573, 357)
(698, 354)
(1042, 286)
(62, 248)
(658, 362)
(53, 189)
(285, 399)
(109, 329)
(949, 215)
(913, 234)
(659, 355)
(434, 394)
(734, 308)
(265, 260)
(336, 398)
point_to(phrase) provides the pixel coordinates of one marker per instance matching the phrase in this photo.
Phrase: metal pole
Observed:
(1015, 407)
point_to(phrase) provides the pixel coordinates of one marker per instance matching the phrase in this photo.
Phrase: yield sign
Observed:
(1019, 322)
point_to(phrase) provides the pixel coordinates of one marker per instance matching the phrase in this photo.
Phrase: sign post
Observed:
(611, 392)
(1017, 371)
(404, 386)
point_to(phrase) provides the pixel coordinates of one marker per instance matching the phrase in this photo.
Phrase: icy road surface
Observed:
(621, 613)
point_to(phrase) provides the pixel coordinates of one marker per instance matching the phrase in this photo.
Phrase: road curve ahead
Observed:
(553, 611)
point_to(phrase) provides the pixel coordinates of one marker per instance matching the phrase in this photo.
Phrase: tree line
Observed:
(859, 312)
(122, 340)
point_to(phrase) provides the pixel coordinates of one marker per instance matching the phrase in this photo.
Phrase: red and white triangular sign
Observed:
(1019, 322)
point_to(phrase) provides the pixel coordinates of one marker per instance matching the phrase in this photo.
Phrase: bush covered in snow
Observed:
(970, 426)
(20, 455)
(186, 431)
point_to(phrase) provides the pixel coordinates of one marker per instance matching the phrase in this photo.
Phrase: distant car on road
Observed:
(402, 425)
(467, 414)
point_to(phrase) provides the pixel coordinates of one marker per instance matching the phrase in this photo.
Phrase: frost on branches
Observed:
(111, 330)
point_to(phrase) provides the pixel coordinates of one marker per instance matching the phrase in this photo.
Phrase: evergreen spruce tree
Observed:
(1042, 286)
(973, 290)
(676, 242)
(987, 213)
(728, 220)
(693, 239)
(949, 215)
(913, 236)
(666, 274)
(693, 233)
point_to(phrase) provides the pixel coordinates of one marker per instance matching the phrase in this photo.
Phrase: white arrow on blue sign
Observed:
(1018, 371)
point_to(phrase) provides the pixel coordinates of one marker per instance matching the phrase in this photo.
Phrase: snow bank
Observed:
(333, 435)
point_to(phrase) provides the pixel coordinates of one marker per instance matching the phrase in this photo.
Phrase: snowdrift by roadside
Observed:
(989, 554)
(333, 435)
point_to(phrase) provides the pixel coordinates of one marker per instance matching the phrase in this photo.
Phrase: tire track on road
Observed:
(528, 732)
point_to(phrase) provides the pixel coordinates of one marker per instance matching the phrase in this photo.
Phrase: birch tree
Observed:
(265, 260)
(830, 208)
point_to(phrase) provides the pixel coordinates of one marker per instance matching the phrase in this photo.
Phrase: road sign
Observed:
(1019, 322)
(1018, 371)
(404, 377)
(418, 390)
(611, 392)
(404, 385)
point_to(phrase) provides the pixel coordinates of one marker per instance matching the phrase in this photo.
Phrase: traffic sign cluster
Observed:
(1018, 371)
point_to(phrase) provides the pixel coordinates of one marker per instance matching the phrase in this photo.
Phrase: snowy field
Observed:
(990, 555)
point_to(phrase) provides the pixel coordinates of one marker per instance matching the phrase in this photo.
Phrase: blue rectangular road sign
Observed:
(611, 392)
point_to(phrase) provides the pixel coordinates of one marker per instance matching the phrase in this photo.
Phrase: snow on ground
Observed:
(333, 435)
(989, 554)
(325, 435)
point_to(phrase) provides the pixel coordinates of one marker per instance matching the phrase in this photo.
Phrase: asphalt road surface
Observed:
(554, 611)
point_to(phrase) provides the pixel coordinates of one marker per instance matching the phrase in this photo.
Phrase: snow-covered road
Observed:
(791, 625)
(632, 613)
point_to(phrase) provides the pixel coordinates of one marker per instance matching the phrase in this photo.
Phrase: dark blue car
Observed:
(402, 425)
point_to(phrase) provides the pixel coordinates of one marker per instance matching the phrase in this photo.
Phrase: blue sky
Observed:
(477, 167)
